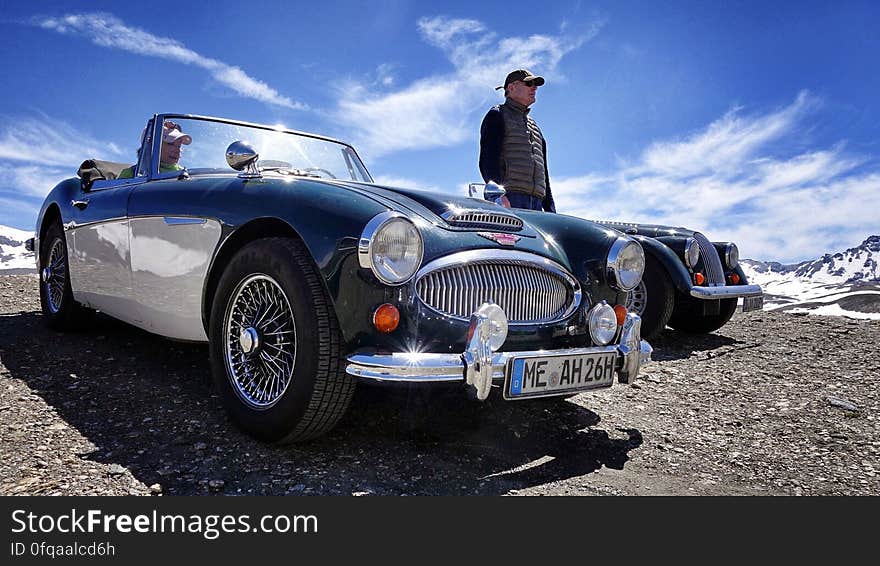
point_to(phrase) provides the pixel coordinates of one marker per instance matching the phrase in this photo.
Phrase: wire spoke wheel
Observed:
(55, 275)
(260, 341)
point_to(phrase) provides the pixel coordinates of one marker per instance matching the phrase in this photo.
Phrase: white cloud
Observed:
(730, 182)
(50, 142)
(33, 180)
(108, 31)
(394, 181)
(438, 110)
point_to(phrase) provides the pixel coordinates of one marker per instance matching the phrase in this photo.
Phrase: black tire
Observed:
(686, 319)
(60, 310)
(653, 299)
(278, 391)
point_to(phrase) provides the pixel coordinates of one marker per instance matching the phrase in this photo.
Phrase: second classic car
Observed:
(690, 283)
(277, 248)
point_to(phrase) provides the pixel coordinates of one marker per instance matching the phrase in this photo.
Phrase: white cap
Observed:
(170, 134)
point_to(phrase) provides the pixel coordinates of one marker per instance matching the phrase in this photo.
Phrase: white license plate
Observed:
(753, 303)
(557, 375)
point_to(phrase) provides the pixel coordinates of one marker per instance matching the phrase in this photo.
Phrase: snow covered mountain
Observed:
(13, 257)
(845, 283)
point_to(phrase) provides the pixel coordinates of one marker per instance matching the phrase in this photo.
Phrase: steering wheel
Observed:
(328, 173)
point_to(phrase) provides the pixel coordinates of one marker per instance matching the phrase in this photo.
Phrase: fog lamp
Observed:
(734, 279)
(490, 322)
(699, 278)
(603, 323)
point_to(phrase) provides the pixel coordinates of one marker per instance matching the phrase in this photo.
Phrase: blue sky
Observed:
(755, 122)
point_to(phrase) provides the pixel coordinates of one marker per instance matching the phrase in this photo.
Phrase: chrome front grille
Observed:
(530, 289)
(483, 219)
(711, 262)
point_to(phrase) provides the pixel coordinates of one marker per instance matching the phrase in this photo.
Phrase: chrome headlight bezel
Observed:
(731, 255)
(368, 252)
(691, 253)
(602, 323)
(626, 263)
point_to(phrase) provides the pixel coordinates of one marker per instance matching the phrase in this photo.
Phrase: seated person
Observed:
(172, 138)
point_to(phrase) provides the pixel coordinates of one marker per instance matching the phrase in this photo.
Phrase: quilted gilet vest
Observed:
(522, 151)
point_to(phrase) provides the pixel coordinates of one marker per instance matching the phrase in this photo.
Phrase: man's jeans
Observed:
(522, 200)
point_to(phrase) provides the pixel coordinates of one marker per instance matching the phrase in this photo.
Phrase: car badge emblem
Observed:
(503, 239)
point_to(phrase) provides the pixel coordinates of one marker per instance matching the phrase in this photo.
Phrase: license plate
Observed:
(753, 303)
(557, 375)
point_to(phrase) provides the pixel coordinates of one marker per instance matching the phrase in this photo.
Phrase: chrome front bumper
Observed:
(479, 367)
(726, 291)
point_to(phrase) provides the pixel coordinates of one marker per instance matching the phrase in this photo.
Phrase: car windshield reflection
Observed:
(281, 152)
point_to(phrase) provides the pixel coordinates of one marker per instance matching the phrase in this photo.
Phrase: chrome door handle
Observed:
(80, 204)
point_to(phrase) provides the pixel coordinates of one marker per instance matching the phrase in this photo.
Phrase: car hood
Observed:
(429, 204)
(649, 230)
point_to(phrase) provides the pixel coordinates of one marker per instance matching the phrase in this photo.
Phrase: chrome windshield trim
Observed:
(728, 291)
(160, 119)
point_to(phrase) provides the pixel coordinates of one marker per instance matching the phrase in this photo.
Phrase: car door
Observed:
(100, 262)
(172, 243)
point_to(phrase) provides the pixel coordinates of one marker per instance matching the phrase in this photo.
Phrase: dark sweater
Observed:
(491, 140)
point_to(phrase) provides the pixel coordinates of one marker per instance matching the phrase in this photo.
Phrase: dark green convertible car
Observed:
(305, 277)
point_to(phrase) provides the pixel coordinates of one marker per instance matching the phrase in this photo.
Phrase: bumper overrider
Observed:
(480, 366)
(726, 291)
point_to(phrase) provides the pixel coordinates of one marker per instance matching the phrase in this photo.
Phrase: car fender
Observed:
(669, 260)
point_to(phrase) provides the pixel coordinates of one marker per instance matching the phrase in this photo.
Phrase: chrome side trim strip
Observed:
(728, 291)
(178, 220)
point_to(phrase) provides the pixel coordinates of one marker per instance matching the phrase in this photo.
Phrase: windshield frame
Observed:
(159, 120)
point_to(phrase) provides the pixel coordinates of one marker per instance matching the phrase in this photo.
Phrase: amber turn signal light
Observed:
(620, 311)
(699, 278)
(734, 279)
(386, 318)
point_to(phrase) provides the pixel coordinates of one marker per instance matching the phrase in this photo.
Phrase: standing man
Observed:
(513, 152)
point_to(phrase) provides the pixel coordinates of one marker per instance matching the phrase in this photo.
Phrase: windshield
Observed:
(199, 145)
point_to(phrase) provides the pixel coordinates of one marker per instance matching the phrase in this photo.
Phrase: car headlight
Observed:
(691, 252)
(603, 323)
(391, 246)
(626, 262)
(731, 255)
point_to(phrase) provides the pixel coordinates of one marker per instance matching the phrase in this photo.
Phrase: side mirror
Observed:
(491, 191)
(241, 156)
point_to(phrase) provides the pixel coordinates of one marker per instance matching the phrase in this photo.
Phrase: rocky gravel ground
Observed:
(772, 404)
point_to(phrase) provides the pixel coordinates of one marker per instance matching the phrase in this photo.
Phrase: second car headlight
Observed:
(691, 252)
(626, 262)
(392, 247)
(731, 255)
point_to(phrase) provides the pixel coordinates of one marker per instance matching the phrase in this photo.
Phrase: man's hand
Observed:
(503, 201)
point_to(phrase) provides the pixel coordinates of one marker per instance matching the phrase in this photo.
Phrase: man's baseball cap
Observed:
(521, 75)
(171, 133)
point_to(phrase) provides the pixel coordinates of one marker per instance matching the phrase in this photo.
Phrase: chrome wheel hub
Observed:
(637, 299)
(260, 341)
(249, 340)
(54, 275)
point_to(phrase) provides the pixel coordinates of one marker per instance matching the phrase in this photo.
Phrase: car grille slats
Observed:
(484, 219)
(527, 292)
(711, 261)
